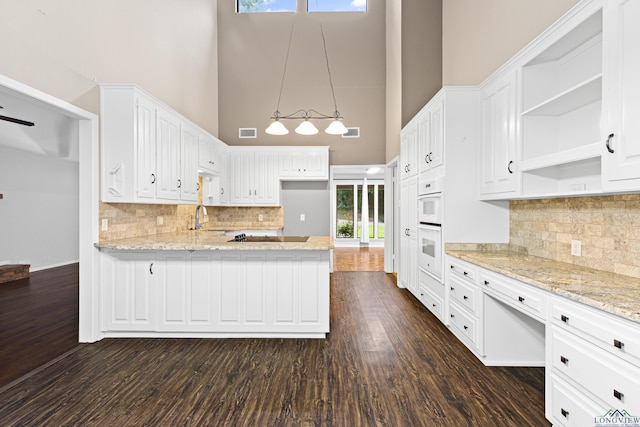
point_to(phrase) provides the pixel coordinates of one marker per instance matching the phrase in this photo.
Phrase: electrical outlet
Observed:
(260, 217)
(576, 248)
(302, 217)
(105, 224)
(159, 220)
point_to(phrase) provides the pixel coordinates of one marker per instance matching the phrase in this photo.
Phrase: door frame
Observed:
(88, 165)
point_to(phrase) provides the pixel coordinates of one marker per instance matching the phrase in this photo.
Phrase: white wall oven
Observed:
(430, 234)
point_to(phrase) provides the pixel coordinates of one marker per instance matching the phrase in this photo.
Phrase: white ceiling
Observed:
(54, 133)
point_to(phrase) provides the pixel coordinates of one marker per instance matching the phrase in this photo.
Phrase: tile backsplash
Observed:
(126, 220)
(607, 226)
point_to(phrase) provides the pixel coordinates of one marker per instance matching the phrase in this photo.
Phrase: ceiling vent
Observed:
(352, 133)
(247, 132)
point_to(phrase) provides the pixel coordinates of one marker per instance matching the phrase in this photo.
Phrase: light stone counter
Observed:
(613, 293)
(210, 241)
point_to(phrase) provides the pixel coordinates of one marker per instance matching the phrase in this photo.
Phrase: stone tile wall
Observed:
(608, 226)
(137, 220)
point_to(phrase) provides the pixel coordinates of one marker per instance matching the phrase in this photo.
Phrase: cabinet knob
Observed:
(521, 299)
(618, 395)
(452, 316)
(564, 360)
(465, 297)
(564, 412)
(486, 282)
(608, 143)
(465, 327)
(618, 344)
(452, 288)
(452, 267)
(509, 166)
(564, 318)
(433, 305)
(465, 273)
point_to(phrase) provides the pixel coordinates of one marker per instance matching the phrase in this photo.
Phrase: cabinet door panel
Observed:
(622, 90)
(498, 137)
(145, 134)
(286, 290)
(266, 184)
(129, 288)
(232, 275)
(188, 181)
(255, 291)
(168, 156)
(436, 152)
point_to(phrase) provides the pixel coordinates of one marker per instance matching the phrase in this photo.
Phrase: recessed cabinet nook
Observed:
(152, 154)
(560, 119)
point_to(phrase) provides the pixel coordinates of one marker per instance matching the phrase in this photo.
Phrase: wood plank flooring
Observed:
(386, 362)
(358, 259)
(38, 320)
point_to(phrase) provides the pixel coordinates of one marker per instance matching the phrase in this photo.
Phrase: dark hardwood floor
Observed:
(38, 320)
(386, 362)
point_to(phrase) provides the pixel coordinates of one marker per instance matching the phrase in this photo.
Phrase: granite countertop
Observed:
(208, 241)
(613, 293)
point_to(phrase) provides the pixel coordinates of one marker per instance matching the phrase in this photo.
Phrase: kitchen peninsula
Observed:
(199, 284)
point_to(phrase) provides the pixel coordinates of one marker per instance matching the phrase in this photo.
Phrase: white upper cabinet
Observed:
(430, 135)
(304, 164)
(498, 137)
(149, 153)
(253, 177)
(167, 156)
(561, 110)
(188, 182)
(560, 118)
(211, 154)
(409, 150)
(621, 79)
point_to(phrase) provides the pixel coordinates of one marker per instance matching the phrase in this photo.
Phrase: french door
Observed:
(359, 211)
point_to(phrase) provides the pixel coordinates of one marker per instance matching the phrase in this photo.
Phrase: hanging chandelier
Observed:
(307, 127)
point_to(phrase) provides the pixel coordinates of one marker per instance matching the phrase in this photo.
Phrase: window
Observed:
(337, 5)
(349, 206)
(247, 6)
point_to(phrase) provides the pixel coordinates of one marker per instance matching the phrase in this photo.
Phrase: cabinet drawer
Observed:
(464, 293)
(431, 301)
(519, 295)
(429, 282)
(463, 270)
(615, 335)
(463, 323)
(609, 378)
(571, 408)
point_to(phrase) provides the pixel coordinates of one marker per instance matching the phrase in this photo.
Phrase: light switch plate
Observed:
(576, 248)
(302, 217)
(105, 224)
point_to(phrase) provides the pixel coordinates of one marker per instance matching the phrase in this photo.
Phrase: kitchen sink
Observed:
(271, 239)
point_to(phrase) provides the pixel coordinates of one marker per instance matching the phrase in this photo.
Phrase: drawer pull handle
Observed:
(465, 297)
(151, 268)
(618, 344)
(618, 395)
(564, 412)
(521, 299)
(564, 318)
(564, 360)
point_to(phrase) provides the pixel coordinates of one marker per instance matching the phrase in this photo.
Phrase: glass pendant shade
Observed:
(306, 128)
(336, 128)
(277, 128)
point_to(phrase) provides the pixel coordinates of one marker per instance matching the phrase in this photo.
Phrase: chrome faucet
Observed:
(198, 226)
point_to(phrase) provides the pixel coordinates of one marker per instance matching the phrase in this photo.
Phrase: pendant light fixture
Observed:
(307, 127)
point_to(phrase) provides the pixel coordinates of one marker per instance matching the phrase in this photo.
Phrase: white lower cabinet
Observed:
(431, 294)
(592, 364)
(129, 289)
(591, 357)
(216, 293)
